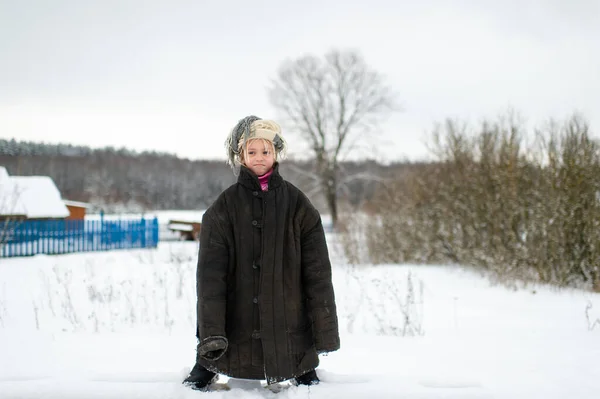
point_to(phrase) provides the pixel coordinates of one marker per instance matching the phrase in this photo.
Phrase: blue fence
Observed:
(25, 238)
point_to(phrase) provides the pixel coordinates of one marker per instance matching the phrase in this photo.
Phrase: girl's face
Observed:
(259, 156)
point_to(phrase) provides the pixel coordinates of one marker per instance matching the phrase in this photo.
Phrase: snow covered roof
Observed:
(9, 203)
(180, 227)
(30, 196)
(77, 204)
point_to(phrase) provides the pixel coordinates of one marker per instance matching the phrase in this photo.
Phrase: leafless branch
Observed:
(334, 103)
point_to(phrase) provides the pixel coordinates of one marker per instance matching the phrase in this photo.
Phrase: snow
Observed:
(9, 196)
(20, 195)
(120, 324)
(34, 188)
(181, 227)
(78, 204)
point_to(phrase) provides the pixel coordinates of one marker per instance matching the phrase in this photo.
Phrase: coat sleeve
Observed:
(211, 280)
(318, 286)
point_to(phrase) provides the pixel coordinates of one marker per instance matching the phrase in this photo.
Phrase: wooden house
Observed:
(30, 198)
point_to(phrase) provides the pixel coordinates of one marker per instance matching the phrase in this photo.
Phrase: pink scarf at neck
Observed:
(264, 180)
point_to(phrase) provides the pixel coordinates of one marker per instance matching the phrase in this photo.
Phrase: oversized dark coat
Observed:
(264, 281)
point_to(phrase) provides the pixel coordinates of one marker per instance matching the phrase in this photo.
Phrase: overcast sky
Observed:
(176, 75)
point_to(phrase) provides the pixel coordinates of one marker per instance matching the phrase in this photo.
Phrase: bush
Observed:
(529, 213)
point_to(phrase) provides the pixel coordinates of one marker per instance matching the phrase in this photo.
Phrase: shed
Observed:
(188, 230)
(76, 209)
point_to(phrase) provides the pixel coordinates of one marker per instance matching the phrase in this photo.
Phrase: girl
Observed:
(266, 306)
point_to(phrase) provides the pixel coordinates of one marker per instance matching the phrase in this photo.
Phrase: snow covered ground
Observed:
(120, 324)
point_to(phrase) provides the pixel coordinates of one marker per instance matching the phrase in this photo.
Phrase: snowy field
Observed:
(120, 325)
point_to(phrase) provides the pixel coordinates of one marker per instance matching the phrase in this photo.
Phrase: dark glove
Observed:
(212, 348)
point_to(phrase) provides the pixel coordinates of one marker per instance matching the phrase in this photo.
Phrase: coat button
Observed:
(255, 193)
(255, 266)
(255, 300)
(256, 334)
(254, 223)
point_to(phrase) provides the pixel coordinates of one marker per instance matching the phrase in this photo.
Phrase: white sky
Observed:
(176, 76)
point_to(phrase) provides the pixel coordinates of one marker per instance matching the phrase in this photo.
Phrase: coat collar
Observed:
(248, 179)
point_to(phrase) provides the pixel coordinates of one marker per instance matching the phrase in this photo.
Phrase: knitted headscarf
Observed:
(253, 127)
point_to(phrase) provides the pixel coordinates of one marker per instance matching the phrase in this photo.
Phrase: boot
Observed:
(309, 378)
(199, 378)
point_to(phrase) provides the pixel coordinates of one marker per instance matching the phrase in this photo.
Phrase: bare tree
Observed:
(333, 103)
(9, 201)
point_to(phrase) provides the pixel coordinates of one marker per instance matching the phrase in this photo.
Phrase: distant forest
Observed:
(120, 180)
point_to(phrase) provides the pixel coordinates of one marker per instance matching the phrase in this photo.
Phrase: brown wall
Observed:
(76, 212)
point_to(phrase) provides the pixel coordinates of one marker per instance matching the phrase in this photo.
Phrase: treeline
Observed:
(118, 180)
(14, 148)
(524, 207)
